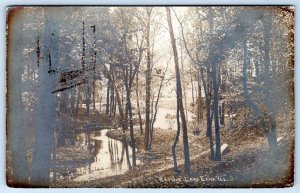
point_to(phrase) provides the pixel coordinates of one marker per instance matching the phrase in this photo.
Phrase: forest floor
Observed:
(246, 163)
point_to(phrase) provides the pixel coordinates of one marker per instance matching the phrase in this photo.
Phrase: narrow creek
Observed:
(108, 158)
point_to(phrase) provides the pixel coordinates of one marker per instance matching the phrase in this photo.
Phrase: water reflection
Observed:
(166, 118)
(109, 157)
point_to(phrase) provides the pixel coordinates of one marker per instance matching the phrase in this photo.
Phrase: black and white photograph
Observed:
(198, 96)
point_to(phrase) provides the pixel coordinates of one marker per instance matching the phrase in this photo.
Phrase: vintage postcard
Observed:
(150, 97)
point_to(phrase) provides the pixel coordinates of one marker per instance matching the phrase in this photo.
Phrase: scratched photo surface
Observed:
(140, 96)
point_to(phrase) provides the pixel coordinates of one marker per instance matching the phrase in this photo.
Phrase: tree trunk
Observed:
(88, 99)
(192, 84)
(132, 139)
(179, 96)
(184, 87)
(138, 103)
(175, 142)
(222, 113)
(129, 109)
(112, 101)
(215, 89)
(148, 84)
(94, 97)
(100, 103)
(107, 96)
(78, 100)
(208, 118)
(216, 111)
(199, 102)
(115, 107)
(272, 138)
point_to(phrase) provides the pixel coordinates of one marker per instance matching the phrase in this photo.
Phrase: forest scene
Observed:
(150, 97)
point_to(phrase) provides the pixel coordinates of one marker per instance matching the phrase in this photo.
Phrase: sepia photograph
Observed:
(150, 96)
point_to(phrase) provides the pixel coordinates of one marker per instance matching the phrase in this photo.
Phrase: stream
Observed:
(109, 157)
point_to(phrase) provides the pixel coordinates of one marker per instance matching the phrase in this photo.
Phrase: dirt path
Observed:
(163, 168)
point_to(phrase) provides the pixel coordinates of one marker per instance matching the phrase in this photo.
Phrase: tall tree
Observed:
(206, 81)
(271, 133)
(148, 80)
(215, 65)
(138, 102)
(179, 95)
